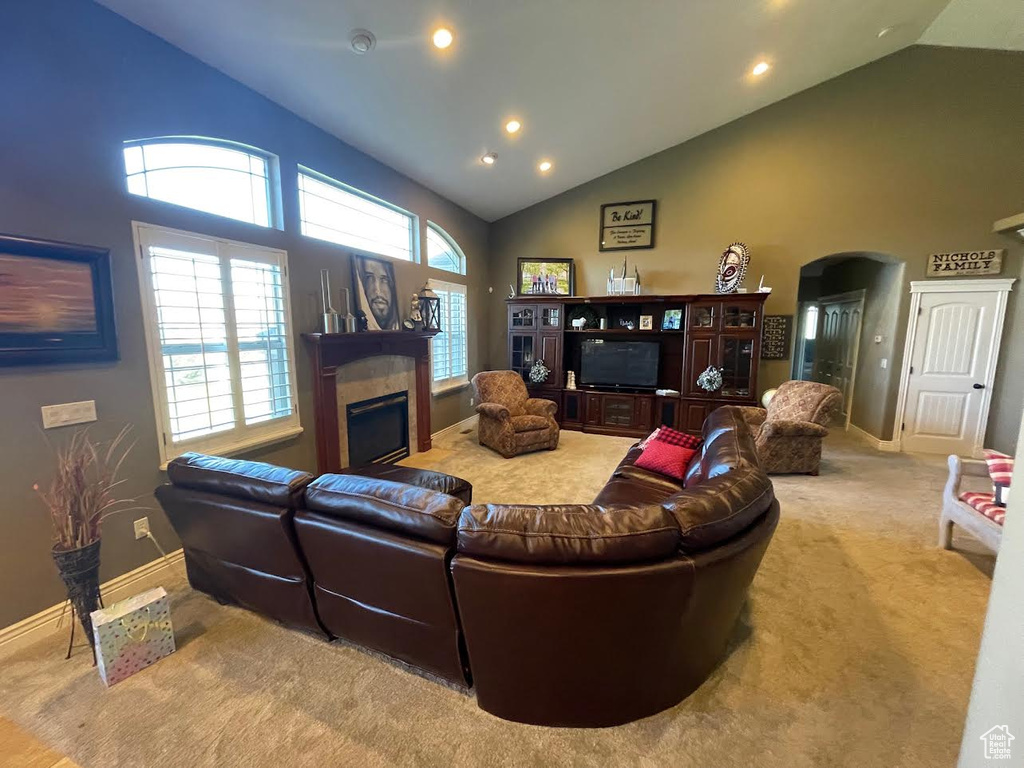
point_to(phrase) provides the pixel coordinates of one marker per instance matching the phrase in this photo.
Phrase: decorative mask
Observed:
(732, 268)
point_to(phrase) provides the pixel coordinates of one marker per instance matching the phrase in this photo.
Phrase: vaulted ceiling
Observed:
(597, 84)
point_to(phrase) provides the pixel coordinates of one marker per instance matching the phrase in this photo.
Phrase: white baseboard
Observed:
(456, 428)
(28, 631)
(888, 446)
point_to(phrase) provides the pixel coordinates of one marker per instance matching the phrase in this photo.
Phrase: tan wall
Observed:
(86, 81)
(917, 153)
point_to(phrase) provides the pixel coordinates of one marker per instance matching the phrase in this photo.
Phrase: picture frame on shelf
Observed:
(373, 280)
(545, 277)
(646, 322)
(672, 320)
(56, 303)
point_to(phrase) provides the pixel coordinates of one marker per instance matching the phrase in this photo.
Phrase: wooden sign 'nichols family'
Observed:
(966, 263)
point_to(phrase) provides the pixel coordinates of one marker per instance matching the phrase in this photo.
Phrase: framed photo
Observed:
(672, 320)
(627, 226)
(545, 277)
(373, 282)
(56, 303)
(646, 322)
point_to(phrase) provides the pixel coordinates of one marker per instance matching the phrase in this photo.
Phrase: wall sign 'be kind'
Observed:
(627, 226)
(964, 263)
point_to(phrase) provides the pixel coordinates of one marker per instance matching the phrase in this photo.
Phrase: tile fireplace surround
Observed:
(349, 368)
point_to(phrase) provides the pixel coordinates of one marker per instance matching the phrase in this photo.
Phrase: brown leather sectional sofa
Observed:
(575, 615)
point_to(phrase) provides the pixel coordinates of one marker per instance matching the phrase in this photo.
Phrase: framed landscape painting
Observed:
(56, 303)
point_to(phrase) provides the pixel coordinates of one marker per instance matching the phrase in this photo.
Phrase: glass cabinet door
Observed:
(703, 316)
(737, 357)
(521, 353)
(522, 317)
(739, 316)
(551, 317)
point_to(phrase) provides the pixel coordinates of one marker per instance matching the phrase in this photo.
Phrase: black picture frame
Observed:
(565, 266)
(39, 325)
(376, 276)
(606, 230)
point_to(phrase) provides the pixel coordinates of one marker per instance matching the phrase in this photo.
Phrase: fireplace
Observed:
(378, 429)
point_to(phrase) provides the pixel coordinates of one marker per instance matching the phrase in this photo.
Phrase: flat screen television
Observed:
(619, 363)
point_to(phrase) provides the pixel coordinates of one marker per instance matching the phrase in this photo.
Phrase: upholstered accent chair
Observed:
(512, 422)
(789, 433)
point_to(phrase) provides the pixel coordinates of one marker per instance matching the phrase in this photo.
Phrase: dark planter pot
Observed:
(80, 571)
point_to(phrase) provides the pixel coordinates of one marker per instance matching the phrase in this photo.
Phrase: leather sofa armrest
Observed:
(571, 534)
(493, 411)
(537, 406)
(786, 428)
(240, 479)
(407, 509)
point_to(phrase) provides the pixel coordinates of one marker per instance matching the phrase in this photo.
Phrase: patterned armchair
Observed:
(512, 422)
(789, 433)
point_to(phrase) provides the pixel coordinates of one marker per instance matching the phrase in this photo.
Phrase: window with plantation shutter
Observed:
(449, 349)
(219, 340)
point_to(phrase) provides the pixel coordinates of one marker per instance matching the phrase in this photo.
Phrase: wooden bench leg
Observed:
(945, 532)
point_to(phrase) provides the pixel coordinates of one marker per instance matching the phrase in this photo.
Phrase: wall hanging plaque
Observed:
(966, 263)
(732, 268)
(627, 226)
(776, 334)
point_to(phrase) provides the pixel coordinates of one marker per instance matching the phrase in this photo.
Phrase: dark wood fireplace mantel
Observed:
(330, 351)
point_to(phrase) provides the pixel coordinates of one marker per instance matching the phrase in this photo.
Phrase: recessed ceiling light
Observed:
(513, 126)
(760, 68)
(489, 158)
(363, 41)
(545, 166)
(443, 37)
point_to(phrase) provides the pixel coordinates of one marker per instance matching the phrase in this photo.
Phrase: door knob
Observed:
(979, 386)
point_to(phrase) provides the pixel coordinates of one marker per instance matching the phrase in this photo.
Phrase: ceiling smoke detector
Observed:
(363, 41)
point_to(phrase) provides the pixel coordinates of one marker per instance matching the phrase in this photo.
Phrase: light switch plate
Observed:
(66, 414)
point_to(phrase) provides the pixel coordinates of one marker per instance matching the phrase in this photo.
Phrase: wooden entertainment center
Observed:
(720, 330)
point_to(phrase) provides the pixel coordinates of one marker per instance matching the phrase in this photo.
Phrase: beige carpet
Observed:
(856, 648)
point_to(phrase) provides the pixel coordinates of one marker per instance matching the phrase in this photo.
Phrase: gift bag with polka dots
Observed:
(132, 634)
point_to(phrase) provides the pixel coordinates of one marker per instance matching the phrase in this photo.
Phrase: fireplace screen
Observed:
(378, 430)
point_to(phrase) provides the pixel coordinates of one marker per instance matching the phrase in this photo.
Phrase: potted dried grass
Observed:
(82, 494)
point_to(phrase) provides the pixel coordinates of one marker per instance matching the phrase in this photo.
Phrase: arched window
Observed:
(443, 252)
(219, 177)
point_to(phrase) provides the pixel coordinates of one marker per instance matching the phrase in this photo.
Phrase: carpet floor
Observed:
(856, 648)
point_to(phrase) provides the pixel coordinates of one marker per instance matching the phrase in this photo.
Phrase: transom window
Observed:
(219, 340)
(443, 252)
(218, 177)
(449, 357)
(338, 213)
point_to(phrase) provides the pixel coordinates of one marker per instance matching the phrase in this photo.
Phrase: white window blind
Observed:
(217, 177)
(449, 353)
(332, 211)
(443, 252)
(217, 328)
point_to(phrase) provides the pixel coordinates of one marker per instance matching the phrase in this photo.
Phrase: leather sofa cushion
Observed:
(400, 507)
(627, 491)
(254, 480)
(528, 423)
(716, 509)
(421, 478)
(569, 534)
(728, 444)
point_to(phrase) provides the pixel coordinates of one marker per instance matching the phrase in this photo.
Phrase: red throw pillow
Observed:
(675, 437)
(665, 458)
(643, 443)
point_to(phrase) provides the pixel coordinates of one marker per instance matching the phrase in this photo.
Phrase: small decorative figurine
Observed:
(415, 316)
(710, 380)
(511, 291)
(571, 380)
(732, 268)
(539, 372)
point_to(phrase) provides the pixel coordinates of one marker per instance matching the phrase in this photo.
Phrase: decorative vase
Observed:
(710, 380)
(80, 571)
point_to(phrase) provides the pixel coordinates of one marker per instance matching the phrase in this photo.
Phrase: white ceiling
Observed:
(598, 84)
(979, 24)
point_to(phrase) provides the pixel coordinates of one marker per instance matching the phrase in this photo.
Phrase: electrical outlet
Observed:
(141, 528)
(885, 362)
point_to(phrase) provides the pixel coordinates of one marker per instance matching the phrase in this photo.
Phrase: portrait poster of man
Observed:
(373, 280)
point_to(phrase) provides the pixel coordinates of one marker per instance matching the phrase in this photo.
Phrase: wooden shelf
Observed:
(620, 331)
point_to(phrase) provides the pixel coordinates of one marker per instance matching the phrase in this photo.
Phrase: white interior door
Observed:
(951, 367)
